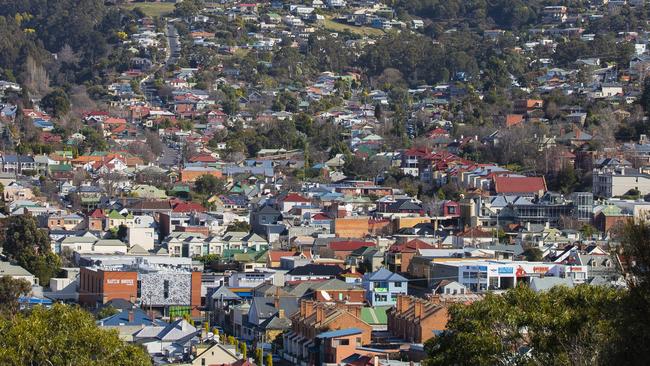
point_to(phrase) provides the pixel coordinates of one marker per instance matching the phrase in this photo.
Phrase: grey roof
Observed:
(265, 306)
(224, 293)
(383, 274)
(140, 317)
(276, 323)
(546, 283)
(8, 269)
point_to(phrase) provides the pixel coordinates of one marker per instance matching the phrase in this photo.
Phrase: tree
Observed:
(106, 311)
(239, 226)
(10, 290)
(533, 255)
(208, 184)
(56, 102)
(561, 326)
(188, 8)
(243, 350)
(63, 335)
(30, 247)
(269, 360)
(259, 355)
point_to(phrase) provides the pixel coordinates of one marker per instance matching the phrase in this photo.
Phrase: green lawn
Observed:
(152, 9)
(340, 27)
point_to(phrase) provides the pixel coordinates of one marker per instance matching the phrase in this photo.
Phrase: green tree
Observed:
(562, 326)
(241, 226)
(208, 184)
(29, 246)
(243, 350)
(56, 102)
(63, 335)
(188, 8)
(106, 311)
(635, 307)
(259, 356)
(10, 290)
(533, 255)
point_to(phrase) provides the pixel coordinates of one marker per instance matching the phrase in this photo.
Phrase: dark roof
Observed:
(316, 270)
(404, 205)
(140, 317)
(265, 306)
(268, 210)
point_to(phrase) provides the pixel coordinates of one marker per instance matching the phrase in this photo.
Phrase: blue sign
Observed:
(508, 270)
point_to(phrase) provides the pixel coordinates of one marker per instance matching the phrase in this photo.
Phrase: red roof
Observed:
(320, 216)
(203, 158)
(98, 214)
(275, 255)
(519, 184)
(293, 197)
(416, 152)
(350, 245)
(410, 246)
(513, 119)
(188, 207)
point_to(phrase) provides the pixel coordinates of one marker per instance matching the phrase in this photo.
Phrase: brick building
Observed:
(314, 319)
(155, 286)
(416, 320)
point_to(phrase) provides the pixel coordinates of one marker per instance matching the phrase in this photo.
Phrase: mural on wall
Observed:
(170, 288)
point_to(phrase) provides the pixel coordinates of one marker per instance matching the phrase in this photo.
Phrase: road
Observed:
(172, 52)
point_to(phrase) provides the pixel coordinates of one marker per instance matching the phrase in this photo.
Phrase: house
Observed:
(519, 185)
(416, 320)
(311, 272)
(334, 346)
(398, 256)
(173, 341)
(15, 191)
(291, 200)
(17, 272)
(314, 319)
(383, 286)
(217, 354)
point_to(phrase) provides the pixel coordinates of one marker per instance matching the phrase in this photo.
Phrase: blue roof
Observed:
(339, 333)
(140, 317)
(34, 301)
(383, 274)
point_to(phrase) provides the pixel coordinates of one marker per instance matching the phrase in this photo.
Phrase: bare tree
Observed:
(36, 78)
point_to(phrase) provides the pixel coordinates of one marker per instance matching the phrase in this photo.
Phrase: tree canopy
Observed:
(61, 336)
(29, 246)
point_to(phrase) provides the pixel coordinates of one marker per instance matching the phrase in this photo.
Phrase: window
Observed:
(398, 284)
(139, 292)
(203, 362)
(344, 342)
(166, 289)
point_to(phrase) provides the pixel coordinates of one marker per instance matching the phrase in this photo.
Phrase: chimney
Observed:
(375, 361)
(303, 308)
(353, 268)
(418, 309)
(319, 314)
(309, 308)
(131, 316)
(281, 314)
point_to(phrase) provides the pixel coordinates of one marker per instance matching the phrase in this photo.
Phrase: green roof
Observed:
(60, 168)
(181, 188)
(376, 315)
(116, 215)
(612, 210)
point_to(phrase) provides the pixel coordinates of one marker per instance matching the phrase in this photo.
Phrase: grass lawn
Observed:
(152, 9)
(340, 27)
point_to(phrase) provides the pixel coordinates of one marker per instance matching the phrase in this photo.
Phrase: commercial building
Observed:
(490, 275)
(155, 285)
